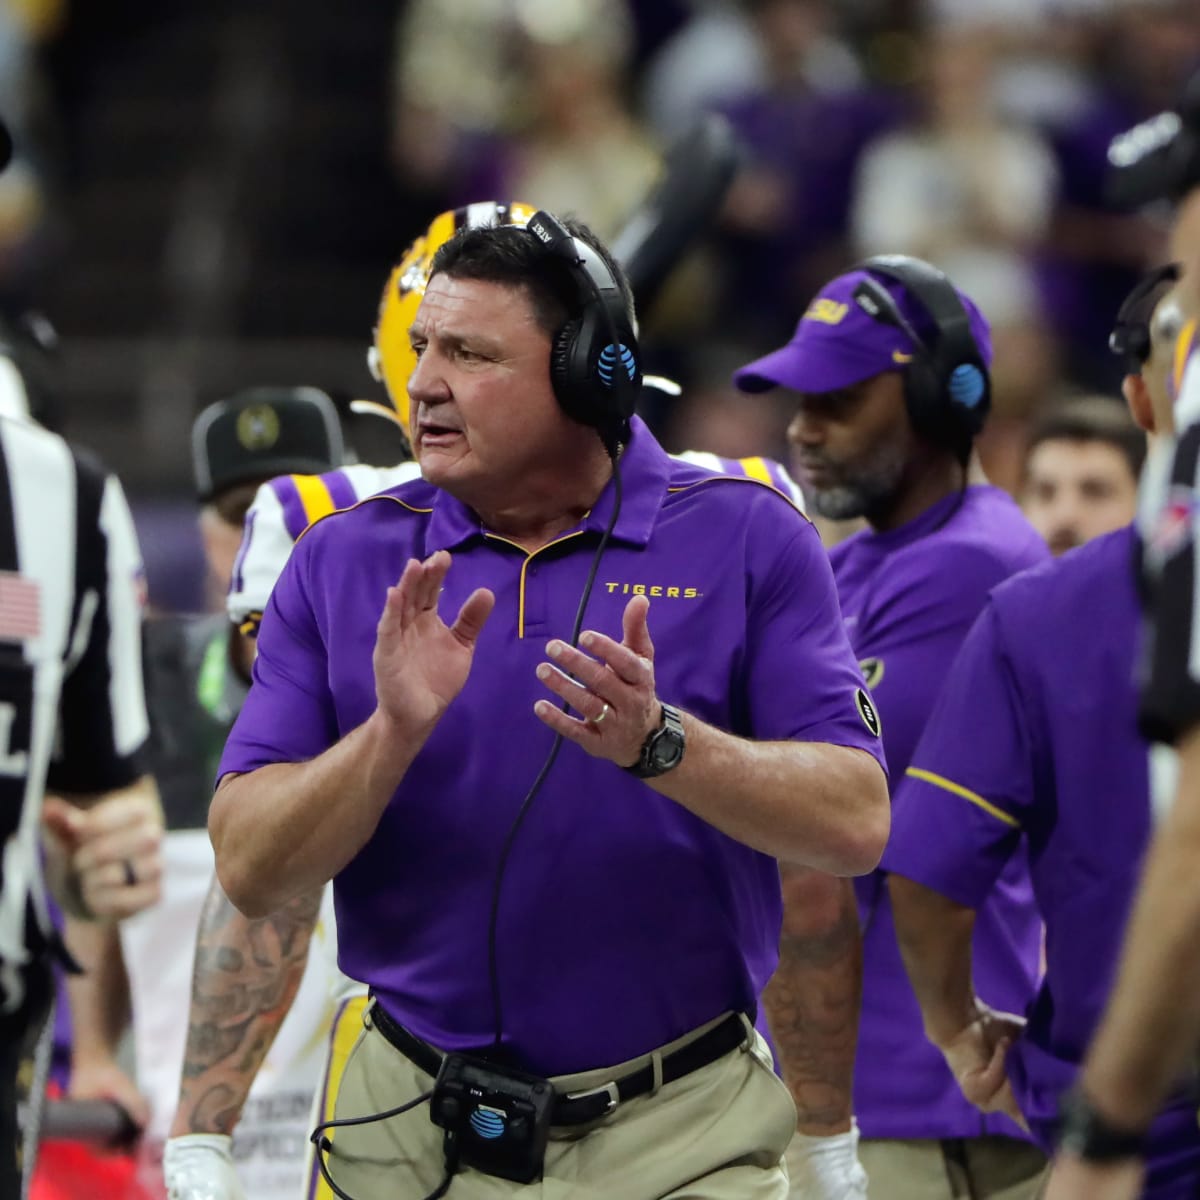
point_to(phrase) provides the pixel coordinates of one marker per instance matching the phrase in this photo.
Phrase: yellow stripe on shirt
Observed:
(958, 790)
(756, 468)
(314, 496)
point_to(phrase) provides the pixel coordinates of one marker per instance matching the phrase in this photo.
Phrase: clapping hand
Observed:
(612, 691)
(421, 663)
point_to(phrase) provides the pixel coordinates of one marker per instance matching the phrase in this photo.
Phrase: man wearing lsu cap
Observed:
(888, 368)
(197, 674)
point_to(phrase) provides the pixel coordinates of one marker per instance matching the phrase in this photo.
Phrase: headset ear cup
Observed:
(922, 396)
(970, 394)
(561, 353)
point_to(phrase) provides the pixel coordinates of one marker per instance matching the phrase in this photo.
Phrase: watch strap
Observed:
(1088, 1135)
(670, 724)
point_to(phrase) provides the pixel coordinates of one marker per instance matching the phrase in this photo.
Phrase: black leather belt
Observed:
(581, 1107)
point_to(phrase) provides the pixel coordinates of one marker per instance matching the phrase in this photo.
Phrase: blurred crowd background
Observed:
(208, 194)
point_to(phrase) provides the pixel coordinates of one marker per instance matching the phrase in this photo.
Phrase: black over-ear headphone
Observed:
(1130, 336)
(946, 385)
(595, 363)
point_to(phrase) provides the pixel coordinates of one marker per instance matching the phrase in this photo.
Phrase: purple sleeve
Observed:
(288, 715)
(918, 621)
(801, 678)
(958, 811)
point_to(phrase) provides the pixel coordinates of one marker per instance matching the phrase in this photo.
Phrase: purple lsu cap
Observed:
(837, 343)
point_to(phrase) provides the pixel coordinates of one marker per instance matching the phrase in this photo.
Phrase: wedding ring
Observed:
(600, 715)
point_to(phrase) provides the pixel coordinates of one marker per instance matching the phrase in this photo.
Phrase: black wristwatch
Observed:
(663, 748)
(1087, 1135)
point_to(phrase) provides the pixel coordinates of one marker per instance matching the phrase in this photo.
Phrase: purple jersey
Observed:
(909, 597)
(1033, 744)
(625, 920)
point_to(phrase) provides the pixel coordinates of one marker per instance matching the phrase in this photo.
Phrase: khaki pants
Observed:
(982, 1168)
(716, 1134)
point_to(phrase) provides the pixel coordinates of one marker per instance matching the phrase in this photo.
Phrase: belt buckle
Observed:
(608, 1089)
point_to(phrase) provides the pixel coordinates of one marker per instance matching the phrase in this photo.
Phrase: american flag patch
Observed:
(20, 607)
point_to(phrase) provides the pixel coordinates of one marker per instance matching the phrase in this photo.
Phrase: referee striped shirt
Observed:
(72, 711)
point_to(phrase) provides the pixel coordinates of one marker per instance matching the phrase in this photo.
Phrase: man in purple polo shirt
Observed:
(1148, 1035)
(889, 369)
(587, 935)
(1033, 749)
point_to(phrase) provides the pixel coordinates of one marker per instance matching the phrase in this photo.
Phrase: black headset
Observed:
(1130, 336)
(947, 387)
(595, 363)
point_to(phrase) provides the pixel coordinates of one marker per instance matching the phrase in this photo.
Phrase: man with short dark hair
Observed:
(1033, 751)
(585, 931)
(888, 371)
(1081, 470)
(1152, 1022)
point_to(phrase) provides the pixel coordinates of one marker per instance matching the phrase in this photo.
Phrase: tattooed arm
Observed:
(812, 1006)
(813, 1001)
(245, 978)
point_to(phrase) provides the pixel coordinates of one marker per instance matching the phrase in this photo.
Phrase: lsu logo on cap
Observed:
(828, 312)
(258, 427)
(867, 710)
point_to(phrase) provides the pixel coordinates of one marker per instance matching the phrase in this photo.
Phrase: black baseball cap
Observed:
(263, 432)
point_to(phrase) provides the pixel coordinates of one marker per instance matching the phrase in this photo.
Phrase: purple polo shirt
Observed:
(1033, 744)
(909, 597)
(625, 921)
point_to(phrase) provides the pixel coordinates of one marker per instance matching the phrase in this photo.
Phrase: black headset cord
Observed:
(535, 787)
(611, 440)
(322, 1145)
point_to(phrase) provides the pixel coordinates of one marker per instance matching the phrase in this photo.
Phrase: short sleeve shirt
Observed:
(909, 597)
(1033, 745)
(625, 920)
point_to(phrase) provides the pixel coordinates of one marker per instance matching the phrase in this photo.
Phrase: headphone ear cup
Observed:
(969, 392)
(922, 395)
(562, 351)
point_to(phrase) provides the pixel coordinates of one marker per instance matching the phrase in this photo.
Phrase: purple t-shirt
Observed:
(909, 597)
(1033, 744)
(625, 920)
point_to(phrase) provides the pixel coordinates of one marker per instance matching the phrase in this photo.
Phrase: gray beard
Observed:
(866, 488)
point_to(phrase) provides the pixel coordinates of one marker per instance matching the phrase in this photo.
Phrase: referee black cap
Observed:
(262, 432)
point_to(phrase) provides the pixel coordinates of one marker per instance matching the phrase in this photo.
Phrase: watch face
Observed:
(667, 751)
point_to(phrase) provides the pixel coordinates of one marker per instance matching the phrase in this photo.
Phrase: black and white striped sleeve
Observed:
(102, 717)
(1170, 525)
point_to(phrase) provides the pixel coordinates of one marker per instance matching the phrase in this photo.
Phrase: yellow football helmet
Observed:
(391, 358)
